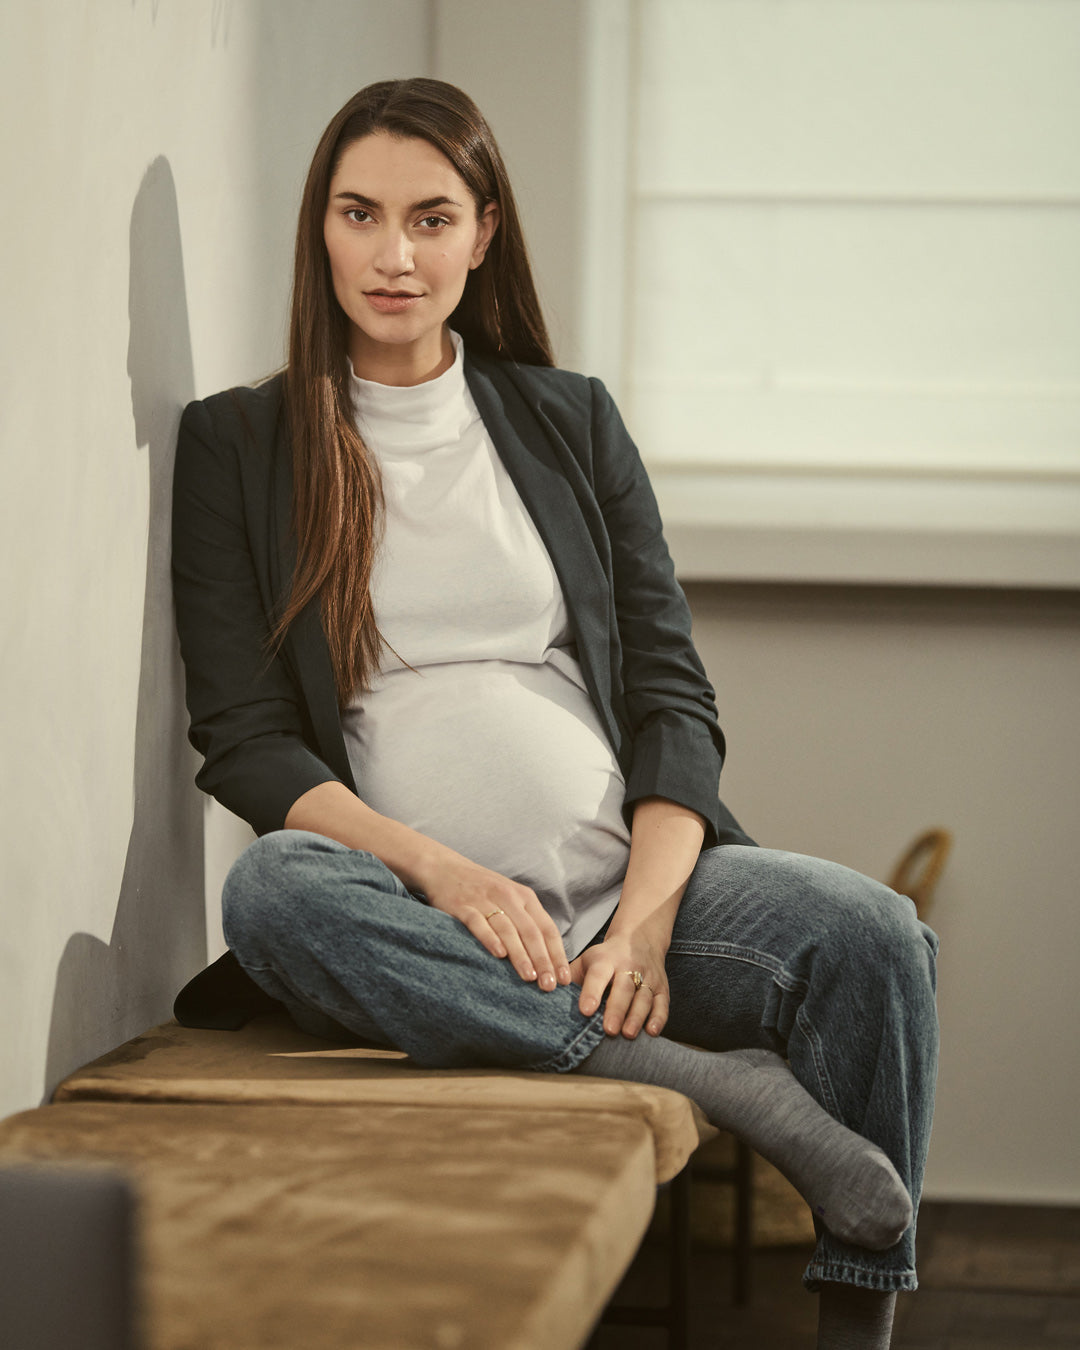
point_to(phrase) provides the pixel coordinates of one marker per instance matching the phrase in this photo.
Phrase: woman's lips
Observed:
(390, 304)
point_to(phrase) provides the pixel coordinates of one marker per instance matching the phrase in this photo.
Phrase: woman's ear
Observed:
(485, 232)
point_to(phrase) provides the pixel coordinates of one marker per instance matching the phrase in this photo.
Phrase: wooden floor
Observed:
(991, 1277)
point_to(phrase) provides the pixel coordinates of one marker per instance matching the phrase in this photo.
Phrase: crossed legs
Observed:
(785, 956)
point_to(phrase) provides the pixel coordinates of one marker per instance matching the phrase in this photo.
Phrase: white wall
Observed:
(151, 161)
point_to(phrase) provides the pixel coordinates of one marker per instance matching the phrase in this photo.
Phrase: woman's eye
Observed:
(433, 222)
(354, 211)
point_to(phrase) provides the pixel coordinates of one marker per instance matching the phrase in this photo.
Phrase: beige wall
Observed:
(524, 64)
(856, 718)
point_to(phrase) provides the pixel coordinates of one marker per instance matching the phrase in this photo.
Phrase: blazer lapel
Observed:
(526, 445)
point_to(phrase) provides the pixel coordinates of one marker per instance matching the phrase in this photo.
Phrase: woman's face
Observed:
(402, 235)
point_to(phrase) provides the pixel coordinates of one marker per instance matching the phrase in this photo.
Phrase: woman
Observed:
(437, 657)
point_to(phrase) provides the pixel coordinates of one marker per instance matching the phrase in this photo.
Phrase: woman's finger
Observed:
(639, 1011)
(537, 941)
(538, 934)
(619, 1000)
(658, 1016)
(513, 932)
(597, 978)
(505, 928)
(479, 925)
(553, 941)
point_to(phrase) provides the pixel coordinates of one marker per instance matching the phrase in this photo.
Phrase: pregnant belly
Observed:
(505, 762)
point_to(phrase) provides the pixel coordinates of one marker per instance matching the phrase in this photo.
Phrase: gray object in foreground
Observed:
(67, 1258)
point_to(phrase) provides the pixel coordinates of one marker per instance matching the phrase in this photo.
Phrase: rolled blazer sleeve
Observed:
(677, 745)
(247, 717)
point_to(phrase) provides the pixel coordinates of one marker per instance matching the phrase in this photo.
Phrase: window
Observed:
(849, 319)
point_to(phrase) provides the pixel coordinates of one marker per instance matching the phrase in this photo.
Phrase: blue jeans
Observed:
(769, 949)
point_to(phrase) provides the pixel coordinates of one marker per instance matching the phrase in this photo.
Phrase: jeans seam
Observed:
(817, 1054)
(751, 955)
(791, 984)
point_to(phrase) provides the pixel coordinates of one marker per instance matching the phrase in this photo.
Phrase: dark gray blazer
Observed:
(269, 729)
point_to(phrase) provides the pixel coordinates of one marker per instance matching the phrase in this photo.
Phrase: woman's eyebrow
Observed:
(428, 204)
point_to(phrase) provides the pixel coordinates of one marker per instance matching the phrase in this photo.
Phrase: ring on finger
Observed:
(494, 912)
(636, 976)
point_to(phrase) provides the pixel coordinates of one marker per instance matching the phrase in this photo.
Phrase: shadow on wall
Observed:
(105, 994)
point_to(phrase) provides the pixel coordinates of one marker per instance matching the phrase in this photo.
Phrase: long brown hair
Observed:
(337, 496)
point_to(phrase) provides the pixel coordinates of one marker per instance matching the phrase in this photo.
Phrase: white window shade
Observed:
(852, 282)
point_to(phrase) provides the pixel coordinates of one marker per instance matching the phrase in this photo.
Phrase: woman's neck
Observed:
(407, 364)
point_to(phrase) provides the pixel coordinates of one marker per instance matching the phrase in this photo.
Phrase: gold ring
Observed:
(494, 912)
(636, 976)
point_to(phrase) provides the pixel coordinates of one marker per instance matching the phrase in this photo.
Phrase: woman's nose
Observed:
(395, 255)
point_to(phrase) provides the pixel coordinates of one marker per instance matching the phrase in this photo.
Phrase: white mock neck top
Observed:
(490, 743)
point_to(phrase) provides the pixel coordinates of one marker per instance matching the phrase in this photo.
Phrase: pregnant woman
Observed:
(437, 657)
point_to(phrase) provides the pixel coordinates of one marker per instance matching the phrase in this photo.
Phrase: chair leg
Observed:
(744, 1219)
(674, 1315)
(679, 1268)
(739, 1174)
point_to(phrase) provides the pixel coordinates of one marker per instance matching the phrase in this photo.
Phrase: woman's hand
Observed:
(502, 914)
(609, 964)
(665, 841)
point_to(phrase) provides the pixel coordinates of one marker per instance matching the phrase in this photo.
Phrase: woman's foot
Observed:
(848, 1182)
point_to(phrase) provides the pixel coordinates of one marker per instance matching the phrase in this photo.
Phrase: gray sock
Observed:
(854, 1319)
(848, 1182)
